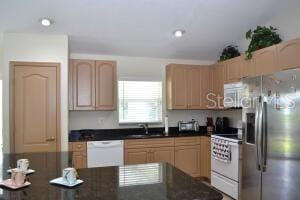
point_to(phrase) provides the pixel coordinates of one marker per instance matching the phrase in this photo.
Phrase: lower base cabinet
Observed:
(205, 157)
(189, 154)
(136, 156)
(149, 151)
(79, 156)
(79, 160)
(187, 158)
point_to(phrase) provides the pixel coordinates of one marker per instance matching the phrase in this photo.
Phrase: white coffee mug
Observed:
(69, 175)
(23, 164)
(18, 177)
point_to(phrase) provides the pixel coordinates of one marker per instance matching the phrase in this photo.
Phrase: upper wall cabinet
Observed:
(289, 54)
(177, 87)
(187, 86)
(194, 88)
(232, 70)
(83, 84)
(206, 85)
(218, 84)
(247, 68)
(106, 85)
(265, 61)
(92, 85)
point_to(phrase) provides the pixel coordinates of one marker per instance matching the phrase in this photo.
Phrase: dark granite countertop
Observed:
(130, 133)
(154, 181)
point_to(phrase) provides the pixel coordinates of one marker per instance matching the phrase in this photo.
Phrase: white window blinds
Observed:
(140, 101)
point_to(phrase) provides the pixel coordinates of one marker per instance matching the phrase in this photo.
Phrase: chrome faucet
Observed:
(145, 126)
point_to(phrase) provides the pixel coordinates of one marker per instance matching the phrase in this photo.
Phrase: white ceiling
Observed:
(141, 27)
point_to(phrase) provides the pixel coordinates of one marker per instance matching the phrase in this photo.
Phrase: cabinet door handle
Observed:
(51, 139)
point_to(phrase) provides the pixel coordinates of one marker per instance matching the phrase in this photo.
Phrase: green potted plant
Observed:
(229, 52)
(260, 38)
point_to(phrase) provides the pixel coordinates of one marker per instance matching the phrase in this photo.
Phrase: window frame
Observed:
(140, 122)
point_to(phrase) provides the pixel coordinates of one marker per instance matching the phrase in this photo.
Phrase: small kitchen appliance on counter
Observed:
(188, 126)
(222, 124)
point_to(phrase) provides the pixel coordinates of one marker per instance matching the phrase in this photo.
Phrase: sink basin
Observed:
(144, 136)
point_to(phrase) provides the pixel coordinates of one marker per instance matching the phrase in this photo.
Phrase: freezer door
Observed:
(251, 176)
(281, 178)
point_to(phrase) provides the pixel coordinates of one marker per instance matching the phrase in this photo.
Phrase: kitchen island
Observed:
(152, 181)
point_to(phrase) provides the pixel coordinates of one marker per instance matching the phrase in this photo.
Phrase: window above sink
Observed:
(140, 102)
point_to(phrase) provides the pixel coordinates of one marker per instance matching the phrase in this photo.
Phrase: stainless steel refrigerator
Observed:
(271, 137)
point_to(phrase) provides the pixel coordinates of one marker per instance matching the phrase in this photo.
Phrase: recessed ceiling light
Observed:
(46, 22)
(179, 33)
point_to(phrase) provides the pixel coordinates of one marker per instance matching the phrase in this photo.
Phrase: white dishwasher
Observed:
(105, 153)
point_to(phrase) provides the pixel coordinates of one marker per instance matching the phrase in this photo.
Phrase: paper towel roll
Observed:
(166, 124)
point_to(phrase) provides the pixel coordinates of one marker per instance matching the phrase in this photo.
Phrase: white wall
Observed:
(134, 68)
(35, 48)
(286, 21)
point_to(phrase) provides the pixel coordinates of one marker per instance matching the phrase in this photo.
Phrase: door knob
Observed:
(51, 139)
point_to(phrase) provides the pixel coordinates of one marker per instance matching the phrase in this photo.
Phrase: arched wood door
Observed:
(36, 110)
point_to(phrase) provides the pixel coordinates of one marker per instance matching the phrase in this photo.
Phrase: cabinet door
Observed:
(137, 156)
(162, 154)
(83, 84)
(106, 85)
(247, 68)
(79, 160)
(206, 86)
(187, 158)
(177, 87)
(265, 61)
(194, 88)
(218, 85)
(205, 157)
(232, 68)
(288, 54)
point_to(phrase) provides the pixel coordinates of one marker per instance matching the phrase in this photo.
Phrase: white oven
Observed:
(225, 176)
(233, 93)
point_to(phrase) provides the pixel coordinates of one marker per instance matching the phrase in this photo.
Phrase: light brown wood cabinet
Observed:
(177, 86)
(288, 54)
(187, 86)
(79, 156)
(232, 70)
(218, 84)
(265, 61)
(205, 166)
(92, 85)
(106, 85)
(247, 68)
(83, 84)
(136, 156)
(190, 154)
(149, 150)
(187, 155)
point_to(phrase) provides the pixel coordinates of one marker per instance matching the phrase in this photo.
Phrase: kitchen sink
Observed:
(144, 136)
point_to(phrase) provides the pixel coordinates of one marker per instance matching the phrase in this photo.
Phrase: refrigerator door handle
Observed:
(258, 134)
(264, 136)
